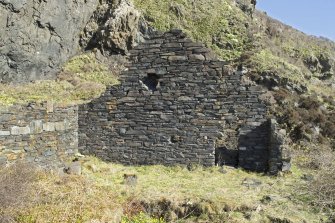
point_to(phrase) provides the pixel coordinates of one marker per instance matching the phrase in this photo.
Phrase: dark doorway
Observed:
(226, 157)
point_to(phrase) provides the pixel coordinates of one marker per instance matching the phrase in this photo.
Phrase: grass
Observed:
(88, 68)
(82, 78)
(142, 218)
(265, 62)
(223, 29)
(100, 195)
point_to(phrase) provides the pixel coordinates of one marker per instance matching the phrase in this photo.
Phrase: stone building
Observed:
(178, 105)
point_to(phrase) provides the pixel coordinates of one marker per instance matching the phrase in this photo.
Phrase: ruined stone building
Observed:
(175, 104)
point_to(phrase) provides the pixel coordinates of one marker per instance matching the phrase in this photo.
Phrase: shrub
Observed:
(301, 114)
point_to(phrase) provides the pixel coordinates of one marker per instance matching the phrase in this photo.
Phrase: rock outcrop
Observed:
(113, 28)
(38, 36)
(247, 6)
(323, 67)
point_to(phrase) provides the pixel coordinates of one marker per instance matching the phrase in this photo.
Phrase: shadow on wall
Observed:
(254, 145)
(252, 152)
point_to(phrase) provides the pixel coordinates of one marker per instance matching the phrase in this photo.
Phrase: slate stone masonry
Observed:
(177, 105)
(38, 133)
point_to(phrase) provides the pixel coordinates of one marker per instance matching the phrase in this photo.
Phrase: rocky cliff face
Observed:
(37, 36)
(113, 28)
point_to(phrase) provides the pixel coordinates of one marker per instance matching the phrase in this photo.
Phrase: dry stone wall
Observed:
(39, 133)
(177, 105)
(279, 149)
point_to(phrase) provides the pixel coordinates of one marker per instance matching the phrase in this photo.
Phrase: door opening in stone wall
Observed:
(226, 157)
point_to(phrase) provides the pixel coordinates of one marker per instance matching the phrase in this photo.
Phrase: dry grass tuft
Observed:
(16, 189)
(323, 186)
(173, 193)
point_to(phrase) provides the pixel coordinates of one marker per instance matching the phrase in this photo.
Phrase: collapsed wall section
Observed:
(38, 133)
(176, 105)
(245, 142)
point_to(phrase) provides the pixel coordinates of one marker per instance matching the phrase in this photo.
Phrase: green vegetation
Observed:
(141, 218)
(268, 49)
(265, 62)
(83, 78)
(219, 23)
(266, 46)
(293, 56)
(101, 194)
(87, 68)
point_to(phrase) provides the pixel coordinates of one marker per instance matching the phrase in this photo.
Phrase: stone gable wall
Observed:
(39, 133)
(177, 105)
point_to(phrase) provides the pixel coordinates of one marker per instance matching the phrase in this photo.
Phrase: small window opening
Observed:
(151, 81)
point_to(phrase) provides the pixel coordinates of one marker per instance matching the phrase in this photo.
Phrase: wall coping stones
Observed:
(15, 130)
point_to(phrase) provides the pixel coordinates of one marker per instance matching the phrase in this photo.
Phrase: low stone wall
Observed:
(38, 133)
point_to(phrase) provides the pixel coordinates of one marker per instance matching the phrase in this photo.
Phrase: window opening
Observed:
(151, 81)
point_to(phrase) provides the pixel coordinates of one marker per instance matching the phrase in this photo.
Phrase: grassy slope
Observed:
(218, 23)
(220, 196)
(82, 78)
(286, 52)
(268, 48)
(271, 47)
(224, 29)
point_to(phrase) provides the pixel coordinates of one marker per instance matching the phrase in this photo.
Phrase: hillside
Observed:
(287, 62)
(297, 72)
(296, 69)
